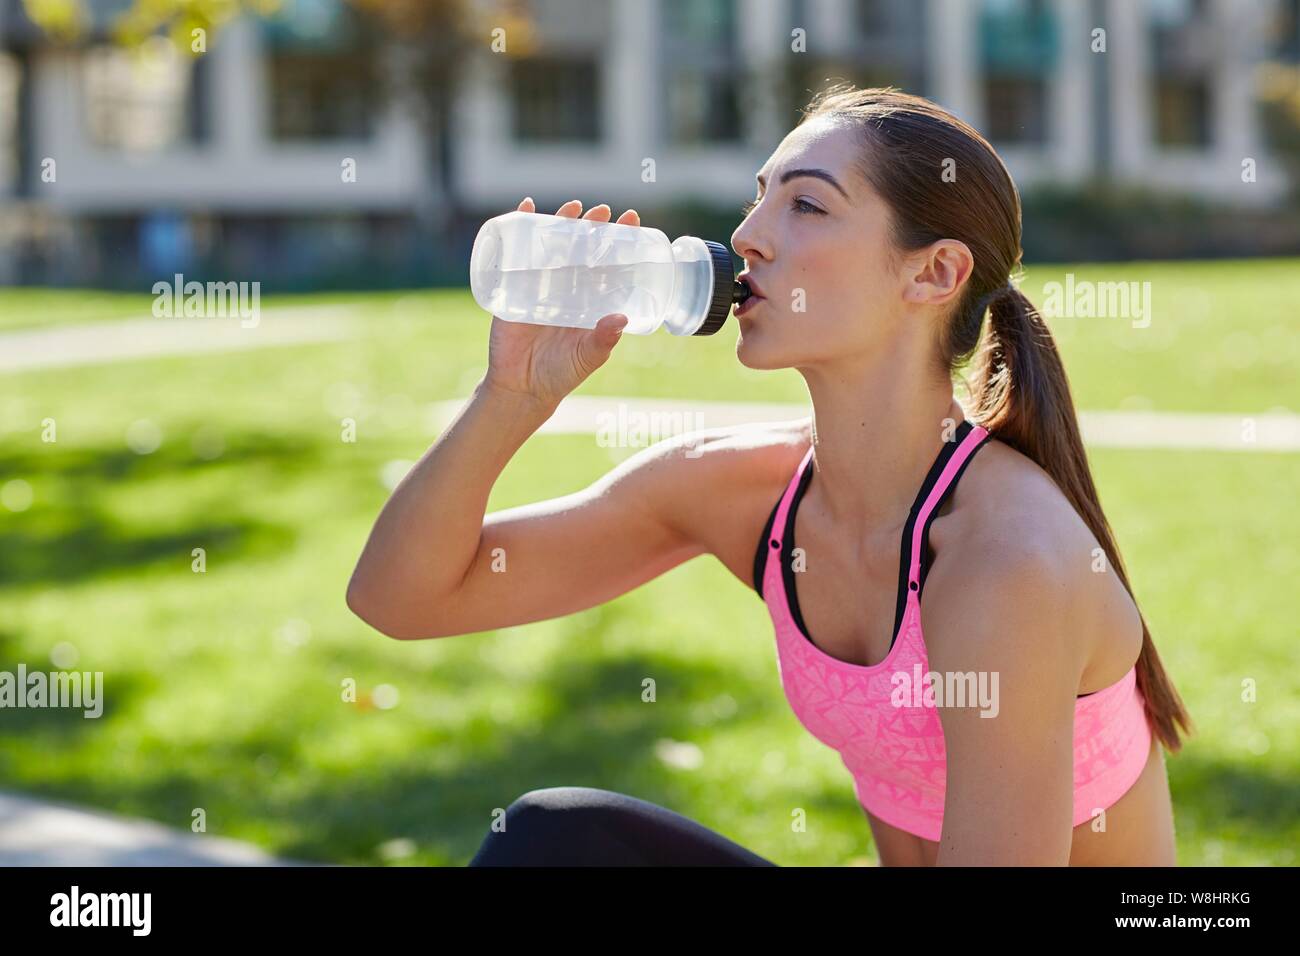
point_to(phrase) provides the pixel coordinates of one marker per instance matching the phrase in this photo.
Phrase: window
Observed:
(1182, 111)
(1016, 109)
(556, 99)
(142, 100)
(1018, 50)
(701, 70)
(323, 69)
(710, 22)
(11, 78)
(322, 96)
(1175, 13)
(890, 44)
(701, 109)
(1182, 49)
(1286, 30)
(873, 17)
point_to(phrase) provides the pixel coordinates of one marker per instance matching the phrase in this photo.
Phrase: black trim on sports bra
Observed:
(766, 543)
(905, 549)
(760, 555)
(905, 545)
(787, 551)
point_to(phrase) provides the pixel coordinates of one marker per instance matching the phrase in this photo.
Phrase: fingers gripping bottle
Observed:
(557, 270)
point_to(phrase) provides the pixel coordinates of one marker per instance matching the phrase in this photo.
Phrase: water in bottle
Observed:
(557, 270)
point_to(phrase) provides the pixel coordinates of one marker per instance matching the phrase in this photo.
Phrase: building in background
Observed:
(234, 162)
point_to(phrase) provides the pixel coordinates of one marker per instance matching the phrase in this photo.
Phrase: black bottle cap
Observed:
(724, 283)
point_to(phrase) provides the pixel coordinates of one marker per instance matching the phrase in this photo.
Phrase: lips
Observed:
(754, 288)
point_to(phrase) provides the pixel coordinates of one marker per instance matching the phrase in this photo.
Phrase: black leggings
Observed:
(586, 826)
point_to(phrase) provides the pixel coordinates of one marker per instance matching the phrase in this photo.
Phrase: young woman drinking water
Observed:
(881, 249)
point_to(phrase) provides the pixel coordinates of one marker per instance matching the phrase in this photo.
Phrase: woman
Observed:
(884, 230)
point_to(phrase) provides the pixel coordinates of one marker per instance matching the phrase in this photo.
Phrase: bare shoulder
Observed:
(716, 458)
(754, 447)
(1012, 541)
(726, 463)
(1006, 512)
(716, 486)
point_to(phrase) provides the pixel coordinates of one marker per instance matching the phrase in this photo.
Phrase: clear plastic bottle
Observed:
(557, 270)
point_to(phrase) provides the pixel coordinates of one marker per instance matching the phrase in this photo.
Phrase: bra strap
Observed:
(977, 436)
(777, 536)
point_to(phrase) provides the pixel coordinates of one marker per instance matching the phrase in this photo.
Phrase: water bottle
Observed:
(558, 270)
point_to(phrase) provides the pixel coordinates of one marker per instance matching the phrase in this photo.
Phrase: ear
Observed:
(937, 274)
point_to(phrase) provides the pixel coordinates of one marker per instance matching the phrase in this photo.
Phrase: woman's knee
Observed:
(543, 825)
(549, 801)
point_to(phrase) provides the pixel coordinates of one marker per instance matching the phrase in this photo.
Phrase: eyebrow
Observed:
(821, 174)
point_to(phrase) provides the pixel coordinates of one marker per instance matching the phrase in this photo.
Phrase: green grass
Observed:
(224, 688)
(1222, 337)
(23, 308)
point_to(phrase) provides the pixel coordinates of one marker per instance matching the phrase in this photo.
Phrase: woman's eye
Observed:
(799, 205)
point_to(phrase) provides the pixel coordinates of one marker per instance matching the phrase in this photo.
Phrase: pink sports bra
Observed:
(896, 753)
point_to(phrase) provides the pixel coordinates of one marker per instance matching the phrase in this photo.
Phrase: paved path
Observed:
(98, 343)
(37, 832)
(657, 418)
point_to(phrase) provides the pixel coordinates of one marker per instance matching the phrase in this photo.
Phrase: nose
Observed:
(745, 240)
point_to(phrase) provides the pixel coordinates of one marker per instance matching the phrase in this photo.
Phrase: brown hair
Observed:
(942, 180)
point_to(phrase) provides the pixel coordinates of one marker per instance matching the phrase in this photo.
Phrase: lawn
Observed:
(223, 688)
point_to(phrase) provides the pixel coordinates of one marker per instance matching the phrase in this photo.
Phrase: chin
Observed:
(751, 354)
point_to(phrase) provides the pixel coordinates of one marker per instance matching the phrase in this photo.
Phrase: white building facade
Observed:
(631, 102)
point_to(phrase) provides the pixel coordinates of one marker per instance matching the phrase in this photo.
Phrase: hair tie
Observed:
(997, 295)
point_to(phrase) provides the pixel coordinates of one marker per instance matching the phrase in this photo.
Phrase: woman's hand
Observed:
(546, 362)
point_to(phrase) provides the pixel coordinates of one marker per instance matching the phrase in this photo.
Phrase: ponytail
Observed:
(1021, 394)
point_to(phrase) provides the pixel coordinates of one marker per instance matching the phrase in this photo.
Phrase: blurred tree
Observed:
(72, 20)
(65, 20)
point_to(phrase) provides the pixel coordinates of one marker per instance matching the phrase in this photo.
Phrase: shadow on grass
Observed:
(76, 536)
(593, 730)
(52, 727)
(1250, 793)
(59, 726)
(118, 463)
(101, 546)
(596, 732)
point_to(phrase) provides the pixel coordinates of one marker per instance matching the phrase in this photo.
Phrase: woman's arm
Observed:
(1009, 798)
(435, 566)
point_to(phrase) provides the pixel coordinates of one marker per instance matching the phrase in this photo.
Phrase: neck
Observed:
(876, 433)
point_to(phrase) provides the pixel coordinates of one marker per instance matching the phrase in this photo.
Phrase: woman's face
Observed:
(818, 248)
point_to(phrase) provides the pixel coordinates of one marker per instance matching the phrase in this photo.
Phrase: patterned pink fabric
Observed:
(896, 754)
